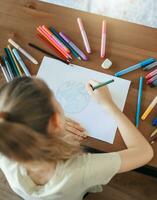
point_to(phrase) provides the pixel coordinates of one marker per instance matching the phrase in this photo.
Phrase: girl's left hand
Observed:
(75, 130)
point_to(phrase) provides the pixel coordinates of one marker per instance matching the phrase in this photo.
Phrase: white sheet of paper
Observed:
(68, 84)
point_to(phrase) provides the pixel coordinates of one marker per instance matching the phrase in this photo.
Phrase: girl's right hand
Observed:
(101, 95)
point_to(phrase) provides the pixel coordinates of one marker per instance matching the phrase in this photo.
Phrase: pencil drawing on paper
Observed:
(73, 97)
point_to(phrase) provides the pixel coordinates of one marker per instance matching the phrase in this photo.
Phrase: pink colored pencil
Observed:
(149, 81)
(84, 35)
(151, 74)
(48, 44)
(103, 39)
(55, 39)
(44, 33)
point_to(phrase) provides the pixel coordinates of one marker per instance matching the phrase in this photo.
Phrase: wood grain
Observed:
(127, 44)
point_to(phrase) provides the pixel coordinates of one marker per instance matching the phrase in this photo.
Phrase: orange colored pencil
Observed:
(46, 36)
(55, 38)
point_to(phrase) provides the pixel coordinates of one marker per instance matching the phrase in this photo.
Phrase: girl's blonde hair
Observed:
(27, 107)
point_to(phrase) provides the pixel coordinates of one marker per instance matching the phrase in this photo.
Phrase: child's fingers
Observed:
(89, 88)
(90, 85)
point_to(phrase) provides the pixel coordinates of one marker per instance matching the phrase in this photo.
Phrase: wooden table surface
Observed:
(127, 44)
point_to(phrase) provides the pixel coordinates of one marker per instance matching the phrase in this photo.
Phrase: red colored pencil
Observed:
(55, 39)
(41, 38)
(52, 42)
(151, 74)
(149, 81)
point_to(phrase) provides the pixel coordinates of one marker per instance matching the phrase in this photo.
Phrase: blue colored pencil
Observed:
(20, 61)
(139, 101)
(150, 66)
(134, 67)
(154, 123)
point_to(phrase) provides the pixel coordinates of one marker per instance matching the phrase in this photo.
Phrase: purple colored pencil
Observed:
(82, 55)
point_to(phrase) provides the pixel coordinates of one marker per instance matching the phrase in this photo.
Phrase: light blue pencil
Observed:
(139, 101)
(134, 67)
(20, 61)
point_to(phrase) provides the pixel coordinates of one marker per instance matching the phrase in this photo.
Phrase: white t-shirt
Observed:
(71, 180)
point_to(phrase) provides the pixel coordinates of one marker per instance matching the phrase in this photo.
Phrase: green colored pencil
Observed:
(102, 84)
(11, 61)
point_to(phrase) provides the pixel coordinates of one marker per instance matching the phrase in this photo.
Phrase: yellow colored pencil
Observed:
(17, 66)
(149, 109)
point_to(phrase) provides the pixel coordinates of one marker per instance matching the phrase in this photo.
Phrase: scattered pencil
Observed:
(25, 53)
(5, 72)
(153, 139)
(149, 109)
(154, 133)
(84, 35)
(139, 101)
(103, 39)
(135, 67)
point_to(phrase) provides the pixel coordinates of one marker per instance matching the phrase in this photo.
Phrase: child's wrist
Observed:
(109, 107)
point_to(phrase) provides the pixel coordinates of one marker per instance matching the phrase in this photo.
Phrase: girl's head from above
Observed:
(31, 123)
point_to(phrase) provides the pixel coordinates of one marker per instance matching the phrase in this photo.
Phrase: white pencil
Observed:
(25, 53)
(154, 133)
(5, 73)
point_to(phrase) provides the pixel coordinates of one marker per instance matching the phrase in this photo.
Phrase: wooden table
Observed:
(127, 44)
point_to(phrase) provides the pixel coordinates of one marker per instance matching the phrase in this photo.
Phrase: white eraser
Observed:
(106, 64)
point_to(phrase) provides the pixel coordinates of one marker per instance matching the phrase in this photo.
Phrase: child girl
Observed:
(37, 157)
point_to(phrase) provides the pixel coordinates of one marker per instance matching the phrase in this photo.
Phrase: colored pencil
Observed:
(139, 101)
(154, 122)
(56, 43)
(103, 39)
(150, 81)
(150, 66)
(52, 42)
(82, 55)
(50, 46)
(76, 55)
(154, 83)
(153, 133)
(5, 61)
(46, 52)
(17, 66)
(56, 39)
(149, 109)
(84, 35)
(11, 61)
(151, 74)
(20, 61)
(153, 139)
(102, 84)
(135, 67)
(24, 52)
(5, 73)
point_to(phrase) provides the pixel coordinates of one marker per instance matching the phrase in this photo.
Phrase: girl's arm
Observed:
(139, 151)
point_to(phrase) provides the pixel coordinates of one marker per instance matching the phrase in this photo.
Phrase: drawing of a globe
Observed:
(73, 97)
